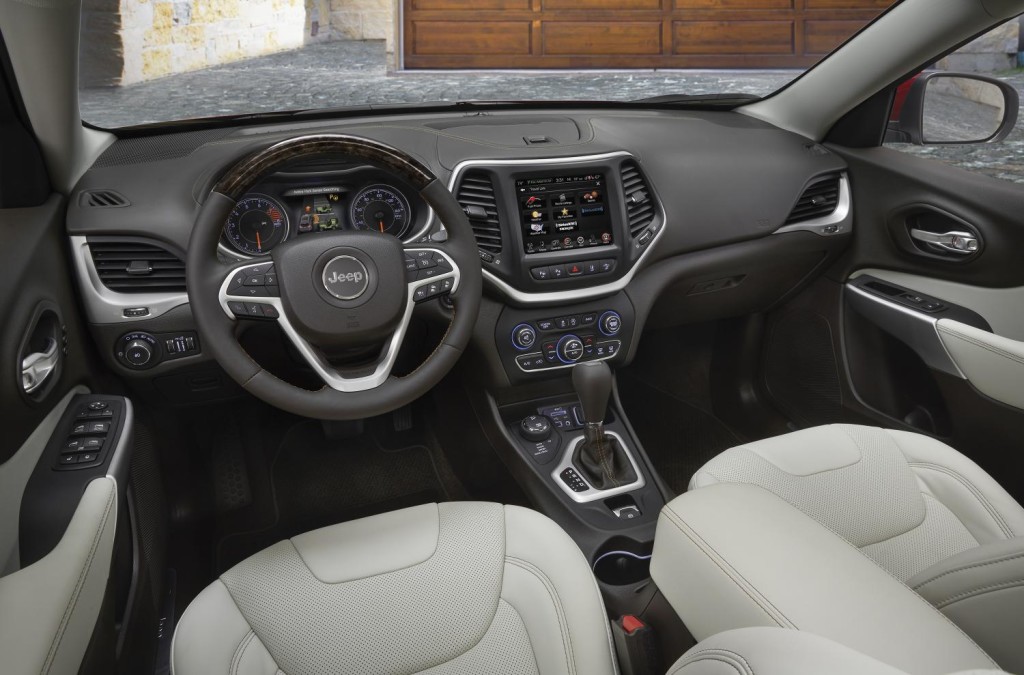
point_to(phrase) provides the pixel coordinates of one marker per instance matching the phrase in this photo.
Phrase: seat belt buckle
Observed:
(636, 647)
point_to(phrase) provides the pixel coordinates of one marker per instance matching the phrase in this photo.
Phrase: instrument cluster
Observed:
(286, 206)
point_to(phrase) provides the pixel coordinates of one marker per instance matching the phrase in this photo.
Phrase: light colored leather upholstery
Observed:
(992, 363)
(734, 556)
(926, 513)
(777, 651)
(48, 610)
(443, 589)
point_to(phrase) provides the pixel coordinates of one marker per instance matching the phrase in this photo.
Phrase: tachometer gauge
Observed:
(256, 225)
(381, 208)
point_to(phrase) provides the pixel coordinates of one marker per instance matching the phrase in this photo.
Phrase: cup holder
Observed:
(622, 561)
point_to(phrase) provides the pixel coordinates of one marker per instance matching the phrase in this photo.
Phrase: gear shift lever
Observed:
(600, 458)
(593, 384)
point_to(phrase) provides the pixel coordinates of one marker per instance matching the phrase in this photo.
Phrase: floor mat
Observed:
(679, 437)
(318, 481)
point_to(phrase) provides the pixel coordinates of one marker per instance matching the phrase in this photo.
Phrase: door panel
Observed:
(937, 346)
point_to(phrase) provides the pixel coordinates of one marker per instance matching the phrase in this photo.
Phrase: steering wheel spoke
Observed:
(251, 291)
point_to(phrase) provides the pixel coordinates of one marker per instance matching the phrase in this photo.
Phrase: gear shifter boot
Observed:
(603, 462)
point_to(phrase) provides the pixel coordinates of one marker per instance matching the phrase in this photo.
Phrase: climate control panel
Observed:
(531, 341)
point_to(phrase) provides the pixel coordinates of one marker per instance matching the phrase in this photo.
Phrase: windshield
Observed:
(152, 61)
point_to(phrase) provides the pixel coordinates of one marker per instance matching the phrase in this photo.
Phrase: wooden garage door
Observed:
(628, 33)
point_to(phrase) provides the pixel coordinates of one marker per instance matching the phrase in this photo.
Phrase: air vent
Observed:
(104, 199)
(476, 196)
(137, 267)
(639, 204)
(819, 199)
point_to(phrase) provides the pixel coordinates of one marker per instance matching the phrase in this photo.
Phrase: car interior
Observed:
(698, 385)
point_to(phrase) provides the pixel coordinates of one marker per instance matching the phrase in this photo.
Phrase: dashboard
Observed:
(323, 197)
(618, 221)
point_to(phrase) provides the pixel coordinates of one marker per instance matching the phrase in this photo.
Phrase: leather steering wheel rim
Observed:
(206, 274)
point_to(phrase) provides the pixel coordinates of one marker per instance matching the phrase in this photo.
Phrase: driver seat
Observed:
(445, 589)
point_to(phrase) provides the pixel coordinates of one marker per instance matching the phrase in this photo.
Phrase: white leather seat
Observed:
(441, 588)
(924, 512)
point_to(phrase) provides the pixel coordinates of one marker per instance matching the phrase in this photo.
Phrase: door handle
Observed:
(961, 243)
(38, 366)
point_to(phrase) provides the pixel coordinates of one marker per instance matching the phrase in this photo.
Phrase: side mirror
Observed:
(943, 108)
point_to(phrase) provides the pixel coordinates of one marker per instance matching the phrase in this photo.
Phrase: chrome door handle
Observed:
(38, 366)
(962, 243)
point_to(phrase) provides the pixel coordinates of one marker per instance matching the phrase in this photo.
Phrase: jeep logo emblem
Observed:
(345, 278)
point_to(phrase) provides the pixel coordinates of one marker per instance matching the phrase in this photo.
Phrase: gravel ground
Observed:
(354, 73)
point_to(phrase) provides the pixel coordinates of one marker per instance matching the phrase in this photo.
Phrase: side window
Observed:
(964, 109)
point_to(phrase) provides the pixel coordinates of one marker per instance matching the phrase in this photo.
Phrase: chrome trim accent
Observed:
(839, 217)
(550, 297)
(328, 373)
(103, 305)
(957, 241)
(594, 494)
(917, 330)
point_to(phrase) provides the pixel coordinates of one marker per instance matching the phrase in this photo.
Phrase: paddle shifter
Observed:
(600, 457)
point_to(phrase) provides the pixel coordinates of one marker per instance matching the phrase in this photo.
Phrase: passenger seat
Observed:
(924, 512)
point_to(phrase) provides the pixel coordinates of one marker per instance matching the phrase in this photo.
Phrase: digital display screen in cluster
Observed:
(564, 212)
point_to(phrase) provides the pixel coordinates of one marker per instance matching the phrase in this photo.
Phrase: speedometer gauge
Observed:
(381, 208)
(256, 225)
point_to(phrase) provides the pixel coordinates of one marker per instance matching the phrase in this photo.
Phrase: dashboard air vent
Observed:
(639, 205)
(137, 267)
(102, 199)
(819, 199)
(475, 195)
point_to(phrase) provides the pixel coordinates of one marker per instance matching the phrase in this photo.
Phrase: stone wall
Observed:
(992, 52)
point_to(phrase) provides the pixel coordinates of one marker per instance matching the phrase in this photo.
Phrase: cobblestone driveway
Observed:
(353, 73)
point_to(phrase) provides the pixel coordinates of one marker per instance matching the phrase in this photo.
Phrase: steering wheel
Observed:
(334, 290)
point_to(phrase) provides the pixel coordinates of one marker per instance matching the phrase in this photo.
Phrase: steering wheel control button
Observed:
(345, 277)
(570, 349)
(524, 336)
(611, 323)
(535, 428)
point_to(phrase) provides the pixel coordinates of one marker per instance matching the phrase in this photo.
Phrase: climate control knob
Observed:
(569, 349)
(524, 336)
(610, 323)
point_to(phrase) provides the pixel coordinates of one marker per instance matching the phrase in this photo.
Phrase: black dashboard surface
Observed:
(722, 177)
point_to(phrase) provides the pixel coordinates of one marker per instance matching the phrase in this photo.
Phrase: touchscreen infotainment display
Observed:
(564, 212)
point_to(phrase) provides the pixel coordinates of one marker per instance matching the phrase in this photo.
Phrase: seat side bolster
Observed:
(975, 498)
(775, 651)
(218, 638)
(545, 566)
(48, 610)
(733, 555)
(982, 590)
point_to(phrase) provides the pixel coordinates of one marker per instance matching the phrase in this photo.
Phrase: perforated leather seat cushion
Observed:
(906, 500)
(442, 589)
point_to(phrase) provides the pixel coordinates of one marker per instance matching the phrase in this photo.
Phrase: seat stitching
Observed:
(974, 490)
(236, 658)
(968, 567)
(76, 593)
(570, 659)
(720, 655)
(733, 576)
(981, 590)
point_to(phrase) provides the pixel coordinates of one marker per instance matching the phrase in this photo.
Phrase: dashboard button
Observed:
(562, 322)
(572, 321)
(546, 324)
(590, 267)
(541, 273)
(557, 271)
(610, 324)
(645, 238)
(523, 336)
(574, 269)
(606, 265)
(588, 319)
